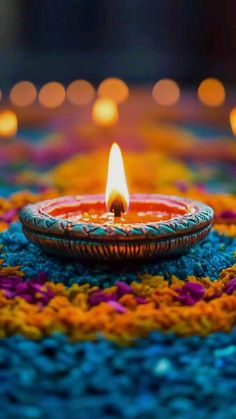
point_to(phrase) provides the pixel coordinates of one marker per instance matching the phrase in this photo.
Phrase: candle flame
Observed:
(116, 189)
(232, 118)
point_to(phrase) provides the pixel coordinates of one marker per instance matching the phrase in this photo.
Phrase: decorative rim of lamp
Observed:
(91, 241)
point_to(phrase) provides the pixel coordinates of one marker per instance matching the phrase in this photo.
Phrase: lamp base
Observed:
(43, 226)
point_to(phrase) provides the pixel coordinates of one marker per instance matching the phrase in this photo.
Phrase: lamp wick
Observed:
(117, 207)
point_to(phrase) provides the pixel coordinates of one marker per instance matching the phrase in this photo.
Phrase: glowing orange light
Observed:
(105, 112)
(232, 119)
(80, 92)
(116, 189)
(166, 92)
(52, 94)
(23, 93)
(8, 124)
(114, 88)
(211, 92)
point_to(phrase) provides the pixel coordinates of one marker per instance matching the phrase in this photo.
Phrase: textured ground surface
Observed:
(135, 341)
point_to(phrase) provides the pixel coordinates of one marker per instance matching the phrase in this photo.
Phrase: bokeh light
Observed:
(211, 92)
(23, 93)
(8, 124)
(52, 94)
(166, 92)
(80, 92)
(232, 119)
(105, 112)
(114, 88)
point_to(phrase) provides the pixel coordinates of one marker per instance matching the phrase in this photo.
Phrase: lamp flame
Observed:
(117, 195)
(232, 118)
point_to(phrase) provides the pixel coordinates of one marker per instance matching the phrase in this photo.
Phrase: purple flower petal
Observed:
(31, 291)
(190, 293)
(9, 280)
(9, 215)
(117, 306)
(228, 214)
(27, 297)
(186, 300)
(21, 287)
(123, 288)
(230, 287)
(96, 297)
(42, 277)
(140, 300)
(195, 290)
(9, 294)
(181, 185)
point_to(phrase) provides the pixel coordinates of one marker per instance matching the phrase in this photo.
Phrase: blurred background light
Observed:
(211, 92)
(23, 93)
(114, 88)
(105, 112)
(52, 95)
(232, 119)
(8, 124)
(166, 92)
(80, 92)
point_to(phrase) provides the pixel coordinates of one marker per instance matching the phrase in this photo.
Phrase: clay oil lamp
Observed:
(116, 226)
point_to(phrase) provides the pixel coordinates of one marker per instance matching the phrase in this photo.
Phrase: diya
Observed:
(116, 227)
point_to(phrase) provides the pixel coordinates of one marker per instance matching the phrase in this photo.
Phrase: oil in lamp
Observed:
(119, 227)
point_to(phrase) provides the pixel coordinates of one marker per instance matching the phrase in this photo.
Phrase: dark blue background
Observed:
(139, 40)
